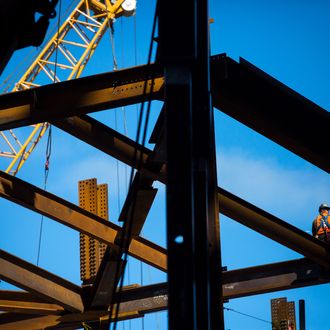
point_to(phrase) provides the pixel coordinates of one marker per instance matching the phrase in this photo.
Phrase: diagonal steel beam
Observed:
(273, 227)
(42, 283)
(231, 205)
(259, 101)
(25, 302)
(38, 200)
(251, 281)
(103, 138)
(84, 95)
(134, 213)
(109, 141)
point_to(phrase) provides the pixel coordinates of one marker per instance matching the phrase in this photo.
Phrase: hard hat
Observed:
(324, 206)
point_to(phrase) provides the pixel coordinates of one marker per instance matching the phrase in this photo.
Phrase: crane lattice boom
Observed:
(63, 58)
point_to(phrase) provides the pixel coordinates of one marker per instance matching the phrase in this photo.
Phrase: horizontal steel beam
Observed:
(11, 321)
(127, 310)
(137, 301)
(38, 200)
(79, 96)
(251, 281)
(240, 90)
(26, 303)
(42, 283)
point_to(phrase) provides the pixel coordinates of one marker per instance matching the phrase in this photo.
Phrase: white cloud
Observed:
(292, 194)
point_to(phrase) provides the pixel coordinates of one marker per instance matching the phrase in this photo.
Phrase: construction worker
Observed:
(321, 224)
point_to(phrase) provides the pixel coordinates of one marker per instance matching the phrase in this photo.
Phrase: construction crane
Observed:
(63, 58)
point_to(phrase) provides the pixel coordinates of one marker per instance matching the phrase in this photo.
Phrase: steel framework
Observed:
(50, 302)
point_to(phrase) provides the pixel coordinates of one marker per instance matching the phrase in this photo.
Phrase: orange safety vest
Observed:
(318, 226)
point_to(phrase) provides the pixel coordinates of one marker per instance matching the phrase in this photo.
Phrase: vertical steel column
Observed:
(302, 318)
(195, 296)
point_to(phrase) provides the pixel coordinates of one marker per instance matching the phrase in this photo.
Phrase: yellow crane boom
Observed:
(63, 58)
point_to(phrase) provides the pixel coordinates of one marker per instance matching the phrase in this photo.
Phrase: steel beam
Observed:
(240, 90)
(240, 210)
(103, 138)
(26, 303)
(136, 301)
(127, 310)
(134, 213)
(42, 283)
(244, 282)
(38, 200)
(112, 266)
(273, 277)
(257, 100)
(88, 94)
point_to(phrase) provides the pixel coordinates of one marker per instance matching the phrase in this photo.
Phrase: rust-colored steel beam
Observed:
(244, 212)
(240, 90)
(110, 271)
(251, 281)
(36, 199)
(127, 310)
(42, 283)
(26, 303)
(84, 95)
(136, 301)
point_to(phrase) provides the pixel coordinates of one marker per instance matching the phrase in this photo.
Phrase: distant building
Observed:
(93, 197)
(283, 314)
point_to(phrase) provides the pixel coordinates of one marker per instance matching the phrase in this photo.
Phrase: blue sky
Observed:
(287, 39)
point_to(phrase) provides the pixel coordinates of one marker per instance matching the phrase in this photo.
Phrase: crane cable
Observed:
(127, 227)
(112, 37)
(49, 139)
(248, 315)
(123, 108)
(48, 154)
